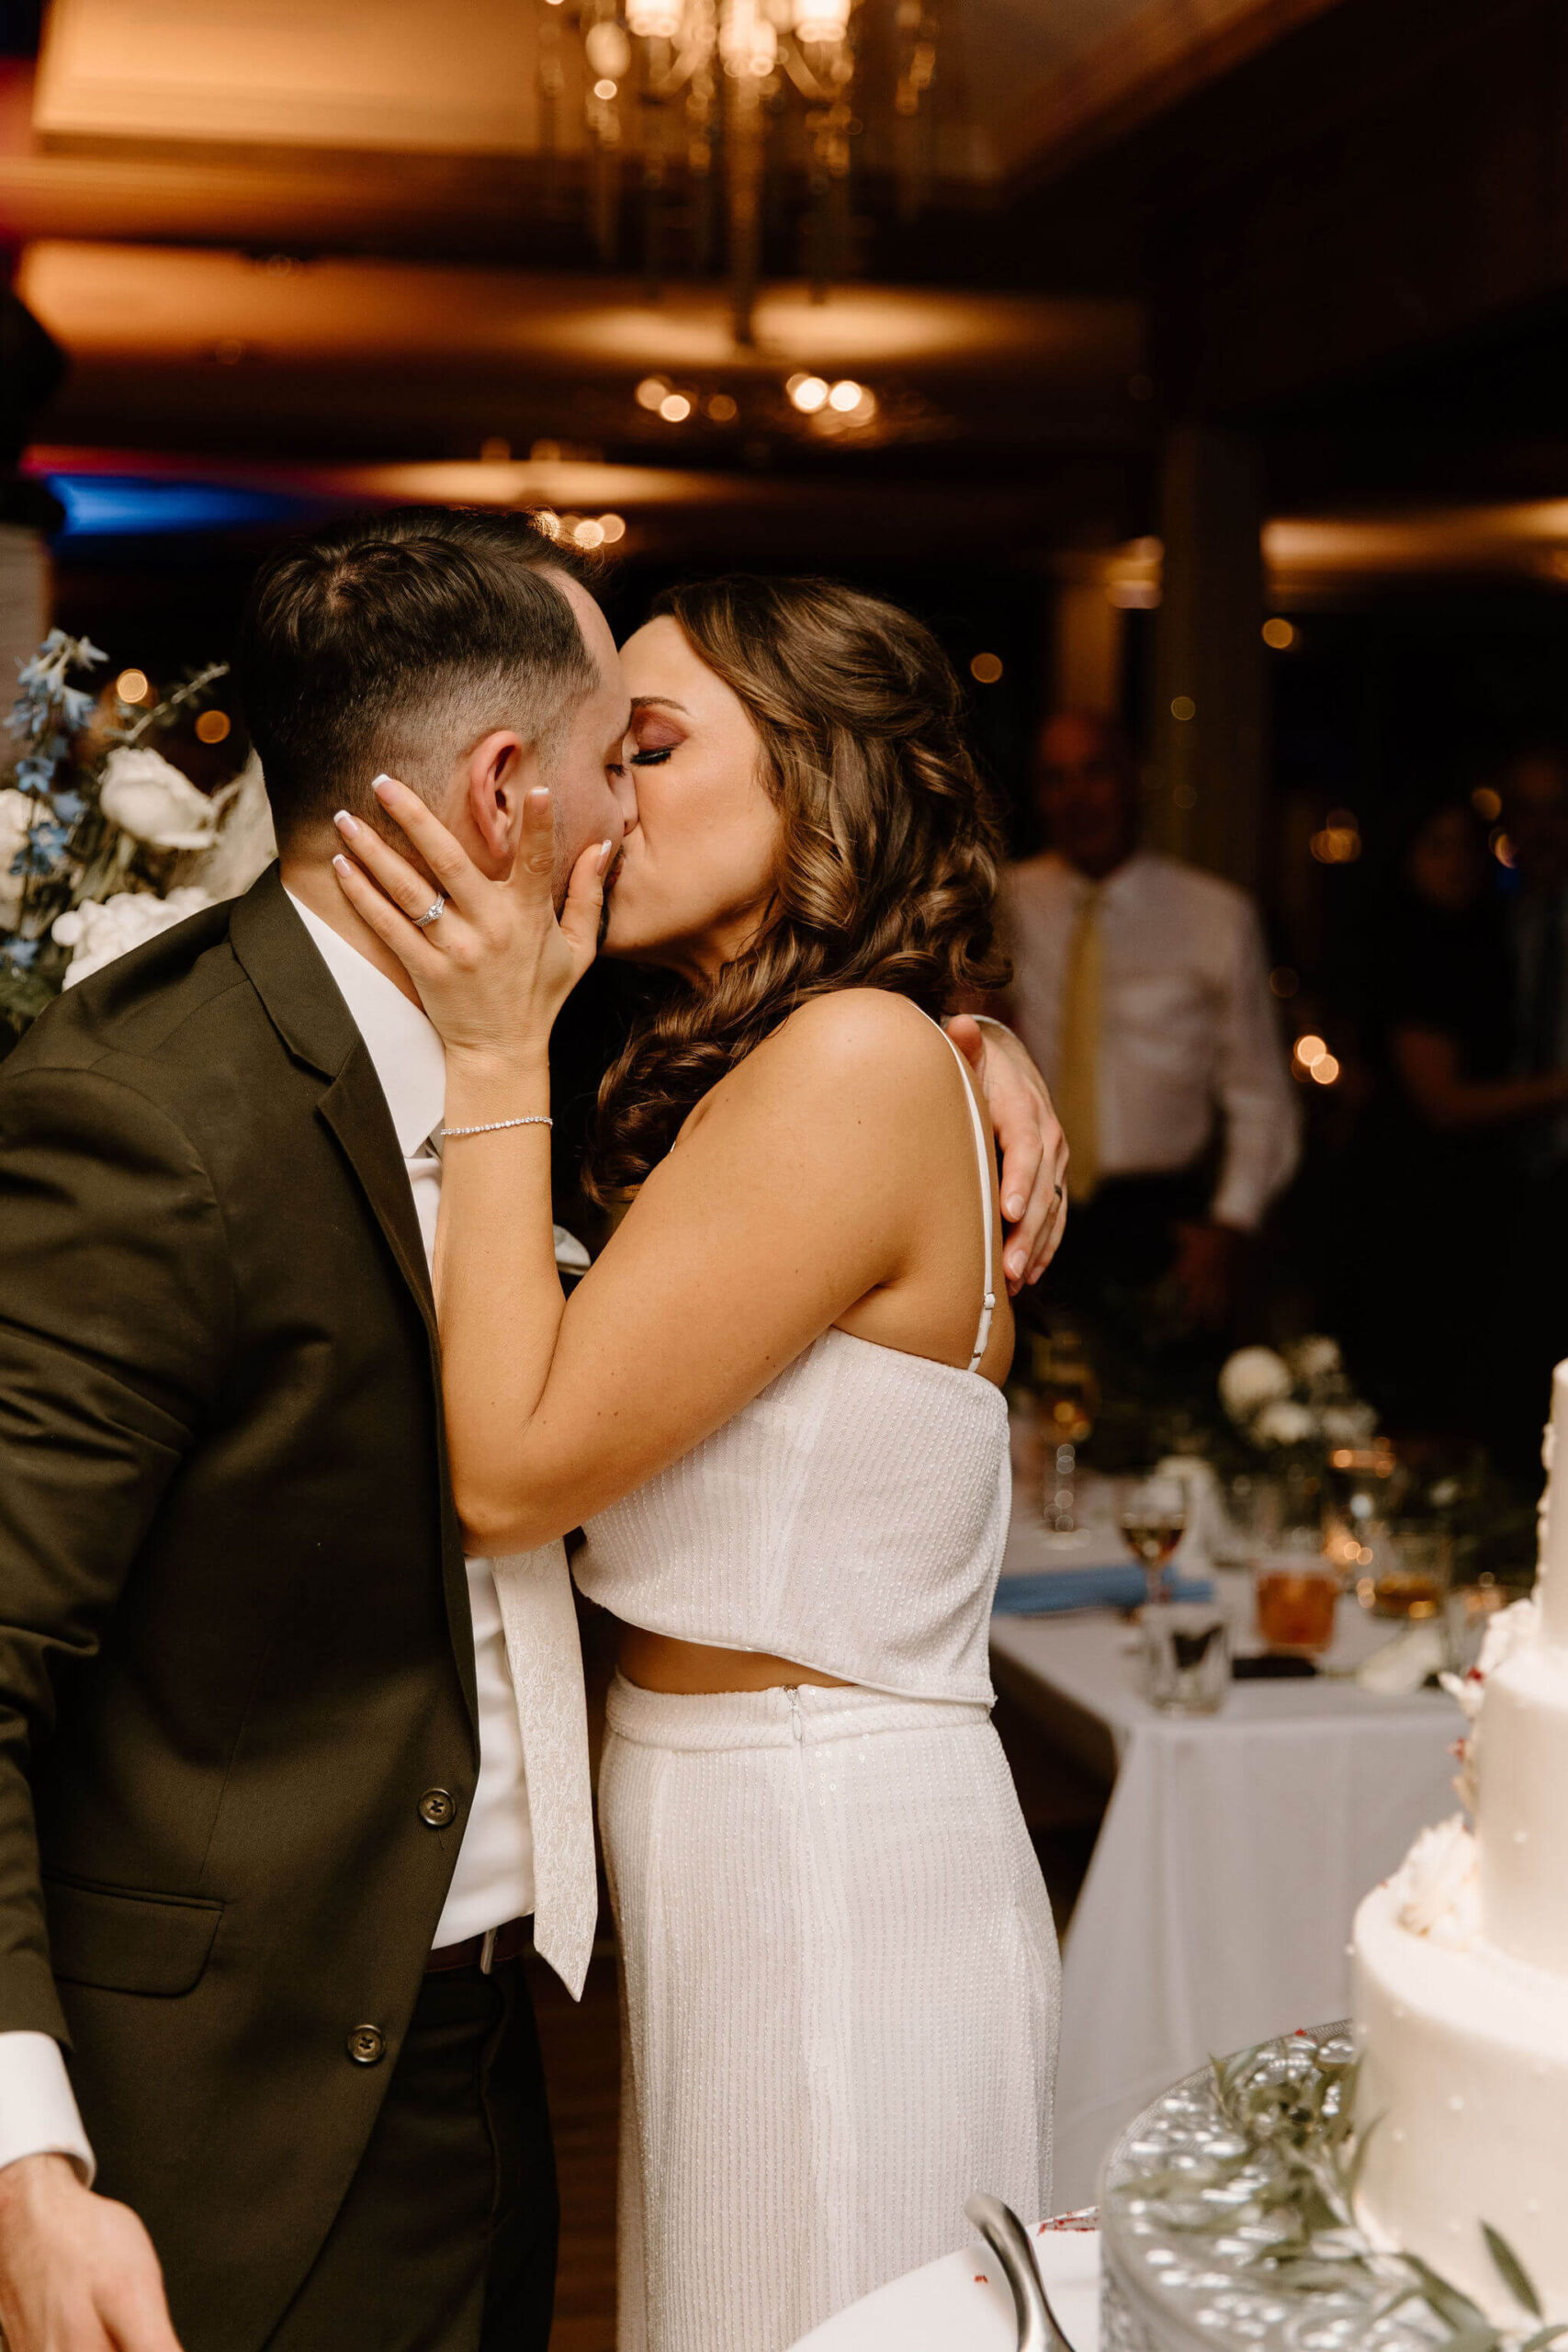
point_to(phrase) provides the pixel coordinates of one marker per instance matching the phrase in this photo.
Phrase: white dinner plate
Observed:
(962, 2302)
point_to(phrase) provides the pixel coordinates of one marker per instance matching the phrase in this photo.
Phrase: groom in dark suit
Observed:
(273, 1815)
(244, 1665)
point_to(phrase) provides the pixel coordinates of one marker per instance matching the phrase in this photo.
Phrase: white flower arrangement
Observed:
(1252, 1378)
(101, 849)
(153, 802)
(1301, 1397)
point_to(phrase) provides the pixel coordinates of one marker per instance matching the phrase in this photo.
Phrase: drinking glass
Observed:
(1405, 1573)
(1187, 1656)
(1152, 1518)
(1297, 1595)
(1069, 1399)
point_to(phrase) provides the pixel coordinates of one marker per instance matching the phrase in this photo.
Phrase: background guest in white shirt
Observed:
(1140, 985)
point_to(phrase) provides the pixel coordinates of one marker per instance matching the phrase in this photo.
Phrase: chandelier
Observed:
(701, 100)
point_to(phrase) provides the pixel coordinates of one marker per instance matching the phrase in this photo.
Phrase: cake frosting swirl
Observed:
(1460, 1971)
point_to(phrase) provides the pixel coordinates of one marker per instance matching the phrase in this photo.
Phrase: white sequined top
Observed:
(851, 1518)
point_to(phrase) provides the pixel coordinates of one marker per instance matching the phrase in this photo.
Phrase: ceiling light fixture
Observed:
(723, 91)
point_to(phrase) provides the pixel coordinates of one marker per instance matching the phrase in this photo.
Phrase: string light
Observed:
(612, 527)
(986, 668)
(1324, 1070)
(1279, 634)
(1487, 804)
(674, 408)
(722, 409)
(589, 533)
(652, 392)
(133, 685)
(213, 727)
(1183, 707)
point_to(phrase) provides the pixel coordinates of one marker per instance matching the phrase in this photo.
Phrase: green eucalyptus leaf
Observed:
(1511, 2270)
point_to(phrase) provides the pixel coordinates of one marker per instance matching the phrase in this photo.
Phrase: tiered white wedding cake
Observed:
(1462, 1971)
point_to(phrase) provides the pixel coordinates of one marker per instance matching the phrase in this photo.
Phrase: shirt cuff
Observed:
(39, 2115)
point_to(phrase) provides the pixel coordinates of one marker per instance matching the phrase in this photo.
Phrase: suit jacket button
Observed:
(437, 1807)
(367, 2045)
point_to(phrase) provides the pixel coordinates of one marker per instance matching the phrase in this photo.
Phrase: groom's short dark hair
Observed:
(393, 637)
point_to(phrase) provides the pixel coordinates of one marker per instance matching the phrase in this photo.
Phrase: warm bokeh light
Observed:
(674, 408)
(1283, 982)
(133, 685)
(845, 395)
(651, 392)
(722, 409)
(1279, 634)
(589, 533)
(986, 668)
(548, 521)
(605, 88)
(213, 726)
(1183, 707)
(1487, 804)
(612, 527)
(495, 451)
(808, 392)
(821, 19)
(1310, 1050)
(1324, 1070)
(1501, 848)
(1338, 843)
(654, 19)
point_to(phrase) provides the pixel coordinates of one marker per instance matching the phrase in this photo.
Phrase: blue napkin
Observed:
(1045, 1592)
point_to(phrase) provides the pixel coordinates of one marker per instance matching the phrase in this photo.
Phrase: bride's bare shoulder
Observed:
(863, 1048)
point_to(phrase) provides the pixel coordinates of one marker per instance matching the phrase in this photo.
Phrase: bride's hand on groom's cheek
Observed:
(491, 962)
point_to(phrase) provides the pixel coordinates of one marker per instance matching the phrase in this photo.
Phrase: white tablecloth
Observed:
(1219, 1900)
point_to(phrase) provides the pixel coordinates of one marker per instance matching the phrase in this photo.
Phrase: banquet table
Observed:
(1234, 1851)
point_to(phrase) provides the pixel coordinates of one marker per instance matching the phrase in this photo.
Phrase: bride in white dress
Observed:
(774, 1404)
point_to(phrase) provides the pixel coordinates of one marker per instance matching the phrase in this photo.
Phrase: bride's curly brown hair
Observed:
(887, 853)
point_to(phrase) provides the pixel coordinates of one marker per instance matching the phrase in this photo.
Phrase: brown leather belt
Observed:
(504, 1943)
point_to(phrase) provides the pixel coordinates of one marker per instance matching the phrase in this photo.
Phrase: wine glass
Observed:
(1153, 1519)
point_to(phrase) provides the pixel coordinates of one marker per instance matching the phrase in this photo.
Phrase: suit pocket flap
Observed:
(125, 1942)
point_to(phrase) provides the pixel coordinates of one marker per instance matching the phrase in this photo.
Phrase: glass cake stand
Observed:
(1171, 2289)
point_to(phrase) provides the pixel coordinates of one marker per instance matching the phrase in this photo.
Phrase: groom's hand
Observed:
(77, 2271)
(1034, 1150)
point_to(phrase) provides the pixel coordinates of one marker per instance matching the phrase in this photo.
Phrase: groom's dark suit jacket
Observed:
(235, 1648)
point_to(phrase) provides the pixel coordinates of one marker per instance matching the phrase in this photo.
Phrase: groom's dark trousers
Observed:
(235, 1653)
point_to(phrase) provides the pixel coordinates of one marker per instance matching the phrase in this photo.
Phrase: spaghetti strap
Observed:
(983, 1151)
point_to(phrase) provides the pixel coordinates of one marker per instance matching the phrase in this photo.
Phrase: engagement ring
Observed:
(422, 921)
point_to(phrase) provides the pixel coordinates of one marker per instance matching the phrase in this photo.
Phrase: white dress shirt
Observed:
(1188, 1028)
(493, 1881)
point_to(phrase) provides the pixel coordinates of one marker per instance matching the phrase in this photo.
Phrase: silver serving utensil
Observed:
(1005, 2234)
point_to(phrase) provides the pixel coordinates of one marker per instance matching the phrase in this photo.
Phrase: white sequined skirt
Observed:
(841, 1994)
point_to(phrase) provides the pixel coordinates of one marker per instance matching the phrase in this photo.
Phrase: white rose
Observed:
(153, 802)
(1316, 1357)
(15, 813)
(99, 932)
(1253, 1376)
(1350, 1424)
(1435, 1886)
(1284, 1422)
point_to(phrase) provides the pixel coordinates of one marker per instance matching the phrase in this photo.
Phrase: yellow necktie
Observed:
(1077, 1078)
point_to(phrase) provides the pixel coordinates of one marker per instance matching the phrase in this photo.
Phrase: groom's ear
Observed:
(499, 772)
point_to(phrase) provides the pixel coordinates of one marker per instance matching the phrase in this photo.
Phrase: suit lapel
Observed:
(302, 1002)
